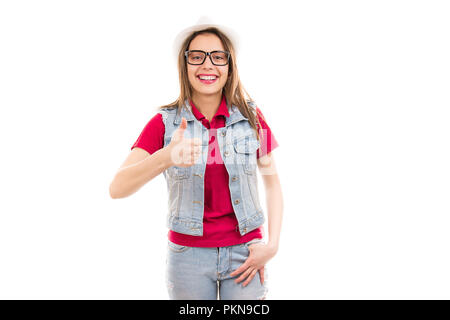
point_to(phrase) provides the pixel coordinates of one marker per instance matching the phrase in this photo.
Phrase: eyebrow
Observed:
(207, 51)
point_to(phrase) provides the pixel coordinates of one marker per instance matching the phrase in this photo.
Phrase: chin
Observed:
(208, 90)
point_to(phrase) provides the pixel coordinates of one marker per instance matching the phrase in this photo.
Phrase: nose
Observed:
(208, 62)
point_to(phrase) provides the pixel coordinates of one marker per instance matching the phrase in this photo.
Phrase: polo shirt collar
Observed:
(222, 111)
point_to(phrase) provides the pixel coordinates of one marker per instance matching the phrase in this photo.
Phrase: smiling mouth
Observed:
(208, 81)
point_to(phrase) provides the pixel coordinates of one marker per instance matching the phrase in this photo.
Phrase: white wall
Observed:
(356, 93)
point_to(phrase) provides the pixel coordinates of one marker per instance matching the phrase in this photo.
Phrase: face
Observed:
(207, 42)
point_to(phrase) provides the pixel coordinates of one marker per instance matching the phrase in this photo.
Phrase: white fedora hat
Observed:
(202, 23)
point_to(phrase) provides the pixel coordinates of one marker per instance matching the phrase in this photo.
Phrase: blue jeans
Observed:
(195, 273)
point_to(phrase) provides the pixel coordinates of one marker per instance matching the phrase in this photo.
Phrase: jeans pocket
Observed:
(247, 244)
(177, 247)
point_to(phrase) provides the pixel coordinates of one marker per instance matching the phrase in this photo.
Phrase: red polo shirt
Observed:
(219, 219)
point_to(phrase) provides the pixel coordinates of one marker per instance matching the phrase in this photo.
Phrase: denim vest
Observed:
(238, 144)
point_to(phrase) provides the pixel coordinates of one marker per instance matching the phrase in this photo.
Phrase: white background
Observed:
(356, 93)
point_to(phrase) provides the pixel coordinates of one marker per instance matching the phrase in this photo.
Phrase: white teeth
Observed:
(208, 78)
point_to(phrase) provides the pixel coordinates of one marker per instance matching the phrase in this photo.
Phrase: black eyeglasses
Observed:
(197, 57)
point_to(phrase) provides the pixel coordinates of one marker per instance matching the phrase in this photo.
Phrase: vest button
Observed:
(226, 153)
(224, 133)
(234, 178)
(236, 201)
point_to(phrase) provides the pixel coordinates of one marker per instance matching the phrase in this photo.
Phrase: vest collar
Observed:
(186, 112)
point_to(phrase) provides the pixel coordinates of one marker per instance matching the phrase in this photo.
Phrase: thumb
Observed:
(183, 124)
(181, 128)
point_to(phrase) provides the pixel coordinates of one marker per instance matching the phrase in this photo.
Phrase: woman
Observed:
(208, 144)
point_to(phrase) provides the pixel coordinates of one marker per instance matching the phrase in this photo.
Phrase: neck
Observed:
(207, 104)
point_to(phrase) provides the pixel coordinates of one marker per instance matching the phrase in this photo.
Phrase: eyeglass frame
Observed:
(207, 54)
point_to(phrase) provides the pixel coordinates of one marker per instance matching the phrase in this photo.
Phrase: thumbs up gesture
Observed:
(184, 152)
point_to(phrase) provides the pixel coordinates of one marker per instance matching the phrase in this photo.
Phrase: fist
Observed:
(184, 152)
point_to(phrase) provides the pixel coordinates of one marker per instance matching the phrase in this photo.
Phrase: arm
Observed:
(274, 199)
(260, 254)
(139, 168)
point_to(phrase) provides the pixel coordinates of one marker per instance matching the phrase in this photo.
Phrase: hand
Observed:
(184, 152)
(259, 255)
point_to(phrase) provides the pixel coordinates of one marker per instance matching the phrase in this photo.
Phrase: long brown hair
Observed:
(233, 89)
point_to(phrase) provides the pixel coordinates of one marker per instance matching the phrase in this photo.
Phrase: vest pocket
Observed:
(246, 148)
(178, 173)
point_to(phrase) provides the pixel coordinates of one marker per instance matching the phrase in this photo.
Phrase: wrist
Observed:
(167, 157)
(273, 247)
